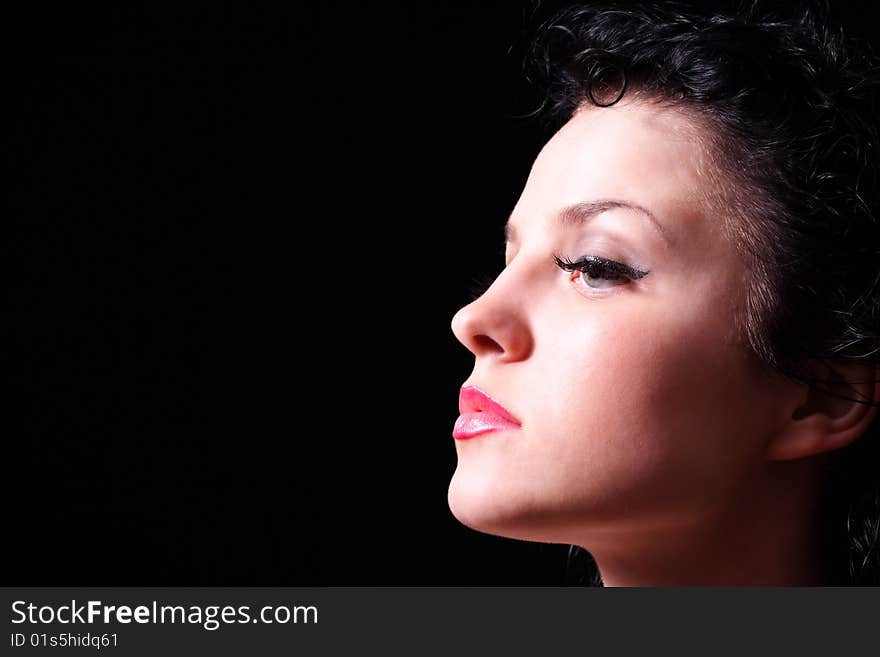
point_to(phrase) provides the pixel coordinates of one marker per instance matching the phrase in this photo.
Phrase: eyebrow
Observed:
(580, 213)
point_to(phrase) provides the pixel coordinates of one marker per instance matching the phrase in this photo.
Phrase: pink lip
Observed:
(480, 414)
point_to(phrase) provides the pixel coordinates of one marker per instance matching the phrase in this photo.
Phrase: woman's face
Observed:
(640, 408)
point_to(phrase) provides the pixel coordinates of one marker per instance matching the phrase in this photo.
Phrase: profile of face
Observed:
(610, 337)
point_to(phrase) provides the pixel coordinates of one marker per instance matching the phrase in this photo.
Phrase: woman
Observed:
(677, 369)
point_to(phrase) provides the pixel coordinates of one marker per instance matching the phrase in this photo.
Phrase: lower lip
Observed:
(471, 425)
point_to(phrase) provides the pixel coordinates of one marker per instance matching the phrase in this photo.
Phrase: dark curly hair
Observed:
(790, 107)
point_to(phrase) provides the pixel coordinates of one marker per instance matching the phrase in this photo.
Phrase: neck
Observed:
(770, 535)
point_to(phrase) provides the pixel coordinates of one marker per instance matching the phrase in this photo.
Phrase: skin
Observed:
(650, 435)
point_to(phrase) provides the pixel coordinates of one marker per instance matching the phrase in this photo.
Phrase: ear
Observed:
(834, 411)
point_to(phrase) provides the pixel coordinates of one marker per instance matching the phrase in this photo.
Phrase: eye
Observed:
(600, 273)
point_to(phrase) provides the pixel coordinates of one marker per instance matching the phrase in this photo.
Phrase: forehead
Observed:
(650, 155)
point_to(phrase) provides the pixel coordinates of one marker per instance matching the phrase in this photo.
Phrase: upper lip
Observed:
(472, 400)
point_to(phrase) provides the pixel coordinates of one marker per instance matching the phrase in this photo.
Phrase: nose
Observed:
(494, 326)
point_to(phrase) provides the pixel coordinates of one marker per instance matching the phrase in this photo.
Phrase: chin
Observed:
(485, 507)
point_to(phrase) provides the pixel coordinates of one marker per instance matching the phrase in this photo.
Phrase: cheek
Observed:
(636, 414)
(650, 413)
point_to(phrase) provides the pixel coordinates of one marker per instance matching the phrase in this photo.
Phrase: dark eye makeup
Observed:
(596, 267)
(599, 267)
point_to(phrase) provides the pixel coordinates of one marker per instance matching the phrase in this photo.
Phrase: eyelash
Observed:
(587, 264)
(479, 285)
(596, 266)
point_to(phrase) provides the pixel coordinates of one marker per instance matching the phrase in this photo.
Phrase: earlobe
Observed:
(839, 407)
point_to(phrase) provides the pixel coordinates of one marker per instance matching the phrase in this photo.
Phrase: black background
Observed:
(238, 238)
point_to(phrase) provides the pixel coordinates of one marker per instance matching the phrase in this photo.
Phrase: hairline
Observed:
(730, 195)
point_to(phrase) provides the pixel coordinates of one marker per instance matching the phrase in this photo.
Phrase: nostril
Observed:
(484, 344)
